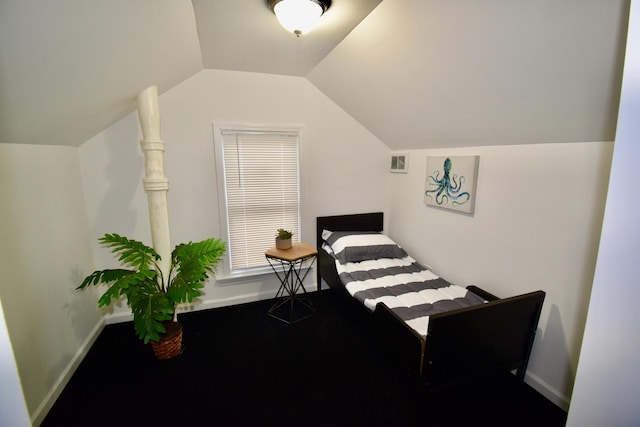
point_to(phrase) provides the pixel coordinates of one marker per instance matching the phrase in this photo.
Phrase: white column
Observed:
(155, 183)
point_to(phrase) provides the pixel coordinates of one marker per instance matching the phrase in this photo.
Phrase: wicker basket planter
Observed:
(170, 344)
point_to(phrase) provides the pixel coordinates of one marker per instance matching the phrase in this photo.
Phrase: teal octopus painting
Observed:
(451, 182)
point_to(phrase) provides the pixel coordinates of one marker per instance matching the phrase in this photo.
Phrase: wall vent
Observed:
(399, 163)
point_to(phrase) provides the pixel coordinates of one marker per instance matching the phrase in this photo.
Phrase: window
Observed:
(259, 173)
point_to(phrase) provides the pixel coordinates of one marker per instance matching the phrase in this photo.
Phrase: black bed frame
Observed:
(461, 344)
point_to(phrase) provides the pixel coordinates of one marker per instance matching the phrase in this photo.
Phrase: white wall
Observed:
(343, 165)
(536, 226)
(607, 388)
(13, 408)
(44, 249)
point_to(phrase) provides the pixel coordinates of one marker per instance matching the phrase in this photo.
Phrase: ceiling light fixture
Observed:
(299, 16)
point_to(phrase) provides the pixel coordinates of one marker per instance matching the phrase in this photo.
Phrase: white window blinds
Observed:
(262, 192)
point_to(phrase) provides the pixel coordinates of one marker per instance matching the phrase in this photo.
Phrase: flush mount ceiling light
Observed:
(299, 16)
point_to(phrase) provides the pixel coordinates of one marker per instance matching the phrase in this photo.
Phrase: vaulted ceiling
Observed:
(416, 73)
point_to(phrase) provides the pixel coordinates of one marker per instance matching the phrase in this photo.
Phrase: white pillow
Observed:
(355, 246)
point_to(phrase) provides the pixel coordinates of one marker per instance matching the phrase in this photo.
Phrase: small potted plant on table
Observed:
(152, 297)
(283, 239)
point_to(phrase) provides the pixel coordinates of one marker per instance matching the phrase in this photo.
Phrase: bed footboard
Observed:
(466, 343)
(400, 343)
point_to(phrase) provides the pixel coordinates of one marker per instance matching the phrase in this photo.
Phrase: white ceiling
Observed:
(70, 68)
(477, 73)
(416, 73)
(253, 40)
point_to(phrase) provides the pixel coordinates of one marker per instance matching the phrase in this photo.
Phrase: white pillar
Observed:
(155, 183)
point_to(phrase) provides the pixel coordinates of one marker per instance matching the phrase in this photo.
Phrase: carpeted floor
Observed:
(241, 367)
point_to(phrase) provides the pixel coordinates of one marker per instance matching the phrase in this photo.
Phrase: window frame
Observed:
(218, 129)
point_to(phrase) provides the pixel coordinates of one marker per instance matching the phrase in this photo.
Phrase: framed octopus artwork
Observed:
(451, 182)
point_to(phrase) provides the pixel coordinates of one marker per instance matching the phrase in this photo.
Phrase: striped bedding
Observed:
(405, 286)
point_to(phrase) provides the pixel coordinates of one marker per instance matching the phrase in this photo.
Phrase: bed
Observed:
(472, 338)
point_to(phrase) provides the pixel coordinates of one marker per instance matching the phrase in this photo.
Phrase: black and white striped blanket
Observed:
(412, 291)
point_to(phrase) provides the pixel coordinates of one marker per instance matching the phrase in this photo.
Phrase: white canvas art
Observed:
(451, 182)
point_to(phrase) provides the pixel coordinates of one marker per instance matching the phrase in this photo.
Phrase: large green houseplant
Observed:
(152, 297)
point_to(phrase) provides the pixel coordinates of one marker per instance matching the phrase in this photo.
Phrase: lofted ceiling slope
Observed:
(416, 73)
(473, 73)
(71, 68)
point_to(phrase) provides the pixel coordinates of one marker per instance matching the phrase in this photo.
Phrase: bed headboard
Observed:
(326, 268)
(354, 222)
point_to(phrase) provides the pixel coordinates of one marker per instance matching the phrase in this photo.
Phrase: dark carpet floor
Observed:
(241, 367)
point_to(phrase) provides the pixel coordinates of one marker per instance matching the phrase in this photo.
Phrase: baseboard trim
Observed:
(235, 300)
(547, 391)
(126, 316)
(47, 403)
